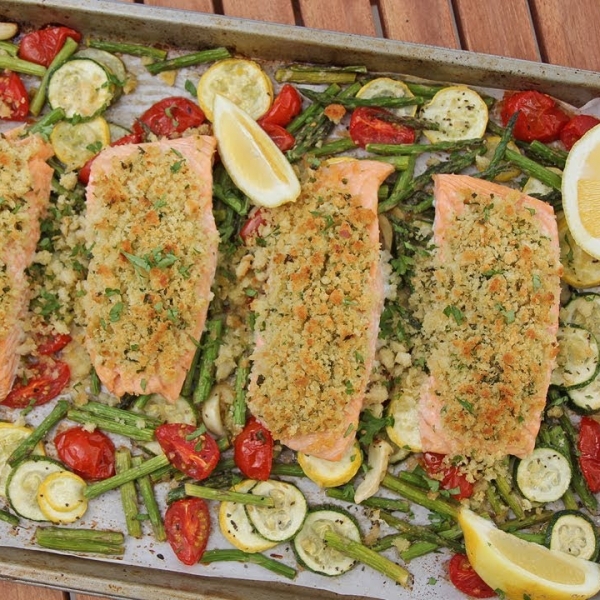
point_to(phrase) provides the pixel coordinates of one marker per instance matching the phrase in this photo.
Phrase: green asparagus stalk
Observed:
(421, 89)
(403, 181)
(9, 48)
(300, 68)
(25, 448)
(8, 518)
(210, 351)
(382, 101)
(190, 378)
(132, 49)
(287, 470)
(119, 414)
(69, 48)
(534, 169)
(225, 190)
(554, 156)
(365, 555)
(400, 163)
(495, 166)
(233, 555)
(391, 149)
(509, 497)
(536, 538)
(146, 468)
(129, 500)
(189, 60)
(498, 508)
(44, 125)
(334, 147)
(239, 402)
(417, 549)
(529, 521)
(422, 497)
(147, 493)
(392, 504)
(21, 66)
(95, 384)
(286, 75)
(308, 115)
(199, 491)
(94, 541)
(109, 424)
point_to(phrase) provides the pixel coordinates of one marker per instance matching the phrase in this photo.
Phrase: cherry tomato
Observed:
(540, 118)
(14, 100)
(84, 172)
(465, 579)
(169, 117)
(452, 477)
(283, 139)
(250, 227)
(187, 525)
(196, 456)
(372, 125)
(47, 383)
(575, 128)
(588, 445)
(43, 45)
(90, 454)
(53, 344)
(253, 450)
(287, 104)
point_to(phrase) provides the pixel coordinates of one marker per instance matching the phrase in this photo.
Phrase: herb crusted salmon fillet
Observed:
(490, 299)
(25, 181)
(318, 321)
(154, 253)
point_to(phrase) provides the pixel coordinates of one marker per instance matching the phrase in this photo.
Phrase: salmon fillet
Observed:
(25, 182)
(154, 254)
(491, 319)
(319, 319)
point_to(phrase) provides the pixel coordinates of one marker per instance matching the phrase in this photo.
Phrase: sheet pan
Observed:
(278, 42)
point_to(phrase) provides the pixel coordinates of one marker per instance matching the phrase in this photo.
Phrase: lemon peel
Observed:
(253, 161)
(522, 569)
(331, 473)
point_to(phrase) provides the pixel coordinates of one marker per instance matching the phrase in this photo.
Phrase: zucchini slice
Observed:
(586, 400)
(544, 475)
(584, 310)
(578, 360)
(181, 411)
(60, 497)
(310, 547)
(575, 533)
(112, 63)
(23, 484)
(281, 522)
(83, 88)
(236, 526)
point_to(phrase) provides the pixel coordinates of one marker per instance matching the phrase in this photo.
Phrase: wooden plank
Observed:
(206, 6)
(568, 32)
(275, 11)
(501, 28)
(19, 591)
(86, 597)
(423, 22)
(350, 16)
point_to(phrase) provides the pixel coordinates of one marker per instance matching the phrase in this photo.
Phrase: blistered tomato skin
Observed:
(371, 125)
(47, 382)
(588, 445)
(169, 117)
(187, 525)
(89, 454)
(285, 107)
(253, 451)
(576, 128)
(452, 478)
(43, 45)
(14, 100)
(464, 578)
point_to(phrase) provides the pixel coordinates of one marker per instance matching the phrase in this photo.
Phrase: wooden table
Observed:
(550, 31)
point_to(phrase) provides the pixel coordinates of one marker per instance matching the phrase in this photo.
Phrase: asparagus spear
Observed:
(287, 75)
(554, 156)
(8, 518)
(334, 147)
(129, 500)
(417, 549)
(45, 124)
(199, 491)
(239, 402)
(21, 66)
(421, 148)
(108, 423)
(311, 112)
(147, 493)
(234, 555)
(188, 60)
(509, 496)
(9, 48)
(212, 343)
(351, 102)
(94, 541)
(347, 494)
(133, 49)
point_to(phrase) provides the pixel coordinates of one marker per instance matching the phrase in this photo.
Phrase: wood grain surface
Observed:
(551, 31)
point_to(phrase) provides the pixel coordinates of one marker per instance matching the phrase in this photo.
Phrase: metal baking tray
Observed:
(190, 31)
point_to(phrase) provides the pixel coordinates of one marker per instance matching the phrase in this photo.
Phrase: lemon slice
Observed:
(460, 113)
(75, 144)
(522, 569)
(242, 81)
(251, 158)
(482, 162)
(580, 269)
(331, 473)
(581, 192)
(386, 87)
(10, 437)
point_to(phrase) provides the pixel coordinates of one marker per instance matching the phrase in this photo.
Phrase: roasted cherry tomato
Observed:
(47, 382)
(283, 139)
(194, 455)
(90, 454)
(169, 117)
(250, 227)
(372, 125)
(588, 445)
(43, 45)
(53, 343)
(465, 579)
(187, 524)
(575, 128)
(14, 100)
(253, 451)
(540, 118)
(452, 478)
(287, 104)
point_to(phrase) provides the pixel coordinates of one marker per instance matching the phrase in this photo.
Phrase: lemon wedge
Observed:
(386, 87)
(460, 113)
(581, 192)
(331, 473)
(253, 161)
(242, 81)
(580, 269)
(522, 569)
